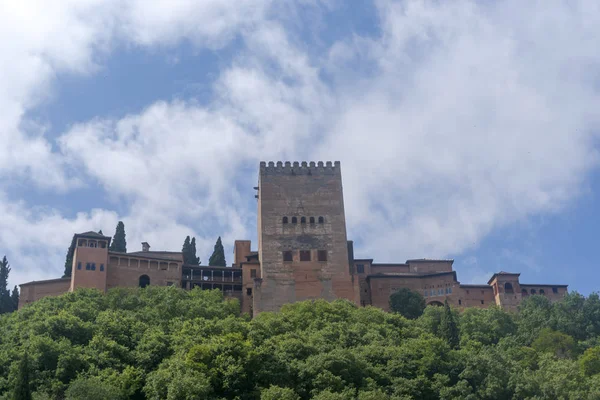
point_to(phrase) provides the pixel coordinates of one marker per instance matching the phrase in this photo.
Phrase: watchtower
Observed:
(90, 261)
(302, 242)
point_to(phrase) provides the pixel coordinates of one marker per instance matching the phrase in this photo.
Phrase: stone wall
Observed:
(124, 271)
(301, 209)
(34, 291)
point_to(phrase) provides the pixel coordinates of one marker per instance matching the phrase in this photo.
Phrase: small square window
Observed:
(554, 290)
(101, 267)
(249, 291)
(287, 256)
(79, 265)
(360, 268)
(93, 266)
(481, 301)
(459, 302)
(252, 273)
(169, 283)
(304, 255)
(322, 255)
(88, 266)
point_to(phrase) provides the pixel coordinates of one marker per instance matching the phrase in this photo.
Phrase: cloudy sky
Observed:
(465, 129)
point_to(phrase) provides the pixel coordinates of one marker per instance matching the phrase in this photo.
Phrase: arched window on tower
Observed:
(542, 292)
(285, 220)
(532, 291)
(294, 220)
(312, 220)
(524, 292)
(508, 288)
(144, 281)
(303, 220)
(321, 220)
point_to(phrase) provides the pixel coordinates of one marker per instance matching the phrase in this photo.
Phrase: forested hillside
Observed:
(166, 343)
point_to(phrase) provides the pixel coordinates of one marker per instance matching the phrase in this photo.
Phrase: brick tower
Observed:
(90, 261)
(302, 243)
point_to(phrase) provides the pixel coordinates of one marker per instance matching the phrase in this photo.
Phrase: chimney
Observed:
(145, 246)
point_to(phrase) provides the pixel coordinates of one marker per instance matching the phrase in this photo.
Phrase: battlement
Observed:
(300, 168)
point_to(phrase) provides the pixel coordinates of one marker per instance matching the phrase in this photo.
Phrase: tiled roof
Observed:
(92, 234)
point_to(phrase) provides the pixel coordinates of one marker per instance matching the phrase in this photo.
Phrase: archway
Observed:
(144, 281)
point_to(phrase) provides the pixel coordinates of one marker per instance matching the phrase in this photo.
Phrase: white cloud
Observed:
(460, 118)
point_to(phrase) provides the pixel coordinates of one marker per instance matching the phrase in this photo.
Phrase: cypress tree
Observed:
(218, 256)
(448, 327)
(186, 250)
(119, 243)
(69, 259)
(194, 260)
(100, 232)
(5, 301)
(22, 391)
(15, 298)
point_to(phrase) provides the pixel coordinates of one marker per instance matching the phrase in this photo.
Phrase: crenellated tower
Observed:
(302, 242)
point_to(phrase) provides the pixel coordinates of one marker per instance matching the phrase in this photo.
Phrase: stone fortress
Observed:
(303, 253)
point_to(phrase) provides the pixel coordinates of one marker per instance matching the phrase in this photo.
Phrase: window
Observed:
(321, 220)
(360, 268)
(554, 290)
(532, 291)
(481, 301)
(440, 292)
(508, 287)
(88, 266)
(92, 244)
(294, 220)
(285, 220)
(249, 291)
(287, 256)
(432, 292)
(169, 283)
(425, 293)
(252, 273)
(103, 245)
(101, 267)
(322, 255)
(93, 266)
(449, 290)
(542, 291)
(467, 292)
(81, 243)
(312, 220)
(79, 265)
(524, 292)
(303, 220)
(459, 302)
(304, 255)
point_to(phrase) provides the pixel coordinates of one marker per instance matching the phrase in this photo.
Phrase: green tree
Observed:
(186, 251)
(278, 393)
(92, 388)
(408, 303)
(15, 298)
(5, 300)
(590, 361)
(217, 259)
(119, 243)
(448, 327)
(22, 390)
(557, 343)
(69, 259)
(193, 258)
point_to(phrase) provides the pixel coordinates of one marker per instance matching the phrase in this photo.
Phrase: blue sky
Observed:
(464, 130)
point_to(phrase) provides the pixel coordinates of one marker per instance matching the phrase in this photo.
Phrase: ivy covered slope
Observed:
(166, 343)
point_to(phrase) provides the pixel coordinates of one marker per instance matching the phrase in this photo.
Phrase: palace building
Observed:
(303, 253)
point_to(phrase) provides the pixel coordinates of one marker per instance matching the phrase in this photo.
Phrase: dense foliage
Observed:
(119, 243)
(217, 259)
(8, 302)
(189, 251)
(408, 303)
(167, 343)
